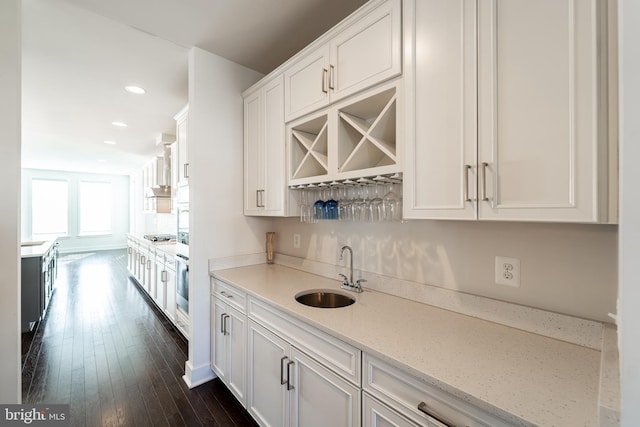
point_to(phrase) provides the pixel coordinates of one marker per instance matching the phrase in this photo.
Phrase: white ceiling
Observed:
(79, 54)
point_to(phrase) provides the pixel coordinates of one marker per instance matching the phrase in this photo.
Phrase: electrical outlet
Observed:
(508, 271)
(296, 241)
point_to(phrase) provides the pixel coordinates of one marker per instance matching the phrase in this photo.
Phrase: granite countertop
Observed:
(525, 378)
(35, 248)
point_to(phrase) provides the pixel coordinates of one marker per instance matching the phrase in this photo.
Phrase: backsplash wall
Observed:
(565, 268)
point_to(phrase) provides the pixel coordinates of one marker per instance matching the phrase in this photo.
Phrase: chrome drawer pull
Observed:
(422, 407)
(226, 295)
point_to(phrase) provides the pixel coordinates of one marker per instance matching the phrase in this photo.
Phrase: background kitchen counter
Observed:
(526, 378)
(30, 249)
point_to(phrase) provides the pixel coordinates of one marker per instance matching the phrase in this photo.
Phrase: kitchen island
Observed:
(522, 378)
(39, 267)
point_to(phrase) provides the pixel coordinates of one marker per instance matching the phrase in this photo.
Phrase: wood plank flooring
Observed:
(106, 350)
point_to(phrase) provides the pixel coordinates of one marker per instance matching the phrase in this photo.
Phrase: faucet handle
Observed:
(359, 283)
(345, 281)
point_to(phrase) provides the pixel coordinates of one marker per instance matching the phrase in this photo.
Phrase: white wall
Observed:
(566, 268)
(217, 225)
(73, 242)
(629, 302)
(10, 382)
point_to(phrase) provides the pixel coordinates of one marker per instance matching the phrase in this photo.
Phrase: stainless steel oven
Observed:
(182, 282)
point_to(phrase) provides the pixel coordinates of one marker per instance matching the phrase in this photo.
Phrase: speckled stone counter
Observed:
(524, 378)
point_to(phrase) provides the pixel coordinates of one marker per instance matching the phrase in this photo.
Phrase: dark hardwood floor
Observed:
(106, 350)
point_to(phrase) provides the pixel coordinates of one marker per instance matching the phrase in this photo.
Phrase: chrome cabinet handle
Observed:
(467, 198)
(260, 198)
(226, 295)
(331, 68)
(223, 324)
(324, 80)
(143, 259)
(129, 250)
(484, 181)
(283, 381)
(185, 170)
(422, 407)
(289, 386)
(163, 276)
(148, 264)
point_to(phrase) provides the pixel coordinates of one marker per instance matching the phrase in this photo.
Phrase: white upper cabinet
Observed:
(506, 110)
(367, 51)
(265, 191)
(307, 84)
(181, 139)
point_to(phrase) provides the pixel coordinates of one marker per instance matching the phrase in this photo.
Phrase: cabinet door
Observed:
(320, 397)
(170, 309)
(375, 414)
(161, 284)
(538, 109)
(181, 137)
(267, 396)
(253, 153)
(440, 99)
(218, 339)
(306, 84)
(367, 52)
(236, 329)
(275, 183)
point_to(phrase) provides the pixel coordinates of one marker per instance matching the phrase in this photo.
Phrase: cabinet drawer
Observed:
(406, 393)
(229, 294)
(337, 355)
(376, 414)
(170, 262)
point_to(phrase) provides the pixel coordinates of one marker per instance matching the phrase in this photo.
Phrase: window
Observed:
(49, 207)
(94, 201)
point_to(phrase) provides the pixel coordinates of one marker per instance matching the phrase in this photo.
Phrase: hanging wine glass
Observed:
(331, 205)
(304, 207)
(318, 206)
(375, 205)
(392, 203)
(346, 200)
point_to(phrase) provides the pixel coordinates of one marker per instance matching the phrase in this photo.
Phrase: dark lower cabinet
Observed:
(38, 279)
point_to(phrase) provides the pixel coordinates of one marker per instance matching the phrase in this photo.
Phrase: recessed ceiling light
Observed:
(119, 124)
(135, 89)
(110, 142)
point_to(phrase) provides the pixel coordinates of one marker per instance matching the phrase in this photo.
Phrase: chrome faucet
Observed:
(347, 283)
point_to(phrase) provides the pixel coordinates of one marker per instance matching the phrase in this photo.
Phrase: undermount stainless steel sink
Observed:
(324, 298)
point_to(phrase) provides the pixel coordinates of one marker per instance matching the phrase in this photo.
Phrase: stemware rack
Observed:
(352, 201)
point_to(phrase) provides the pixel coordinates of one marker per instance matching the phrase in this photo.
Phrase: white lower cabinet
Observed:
(418, 401)
(289, 388)
(289, 374)
(170, 307)
(228, 346)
